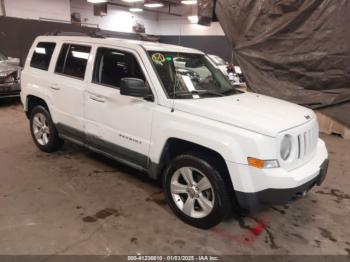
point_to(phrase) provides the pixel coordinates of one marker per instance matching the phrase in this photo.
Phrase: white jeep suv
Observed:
(169, 111)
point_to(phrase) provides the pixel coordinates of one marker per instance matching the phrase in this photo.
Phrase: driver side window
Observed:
(112, 65)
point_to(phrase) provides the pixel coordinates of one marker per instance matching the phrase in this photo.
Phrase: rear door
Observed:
(116, 124)
(68, 85)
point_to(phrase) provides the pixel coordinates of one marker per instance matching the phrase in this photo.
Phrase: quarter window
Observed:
(72, 60)
(112, 65)
(42, 55)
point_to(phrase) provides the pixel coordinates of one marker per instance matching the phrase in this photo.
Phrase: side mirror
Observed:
(134, 87)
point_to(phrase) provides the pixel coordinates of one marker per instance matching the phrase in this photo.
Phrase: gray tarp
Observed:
(297, 50)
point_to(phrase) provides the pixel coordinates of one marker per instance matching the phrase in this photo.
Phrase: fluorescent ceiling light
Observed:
(193, 19)
(153, 5)
(132, 1)
(97, 1)
(189, 2)
(135, 9)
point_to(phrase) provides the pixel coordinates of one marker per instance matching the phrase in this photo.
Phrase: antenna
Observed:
(175, 84)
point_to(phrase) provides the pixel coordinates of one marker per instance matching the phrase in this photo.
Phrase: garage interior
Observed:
(76, 202)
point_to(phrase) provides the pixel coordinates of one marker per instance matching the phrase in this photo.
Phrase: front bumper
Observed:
(273, 196)
(256, 188)
(10, 89)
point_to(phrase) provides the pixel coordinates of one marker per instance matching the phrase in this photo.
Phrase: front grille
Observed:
(307, 142)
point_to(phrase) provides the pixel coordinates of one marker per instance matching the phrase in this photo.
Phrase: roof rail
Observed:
(91, 34)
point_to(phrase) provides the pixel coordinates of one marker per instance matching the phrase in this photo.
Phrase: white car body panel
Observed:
(241, 111)
(133, 116)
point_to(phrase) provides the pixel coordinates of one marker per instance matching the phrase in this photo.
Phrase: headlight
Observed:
(5, 73)
(286, 147)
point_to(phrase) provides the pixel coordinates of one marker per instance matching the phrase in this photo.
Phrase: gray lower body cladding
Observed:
(121, 154)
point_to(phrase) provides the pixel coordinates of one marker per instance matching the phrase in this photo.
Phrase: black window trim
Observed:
(120, 50)
(52, 55)
(65, 60)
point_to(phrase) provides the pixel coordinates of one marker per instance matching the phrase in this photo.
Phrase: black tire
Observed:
(222, 205)
(54, 142)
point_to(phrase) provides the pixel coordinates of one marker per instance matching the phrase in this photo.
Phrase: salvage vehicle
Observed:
(213, 147)
(9, 77)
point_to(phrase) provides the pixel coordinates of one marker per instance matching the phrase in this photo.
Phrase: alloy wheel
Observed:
(41, 129)
(192, 192)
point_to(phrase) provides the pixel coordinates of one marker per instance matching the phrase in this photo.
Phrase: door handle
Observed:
(98, 99)
(55, 87)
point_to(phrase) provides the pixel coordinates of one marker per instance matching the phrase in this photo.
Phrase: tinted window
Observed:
(113, 65)
(42, 55)
(73, 60)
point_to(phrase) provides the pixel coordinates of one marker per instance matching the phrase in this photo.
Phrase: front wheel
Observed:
(196, 192)
(43, 130)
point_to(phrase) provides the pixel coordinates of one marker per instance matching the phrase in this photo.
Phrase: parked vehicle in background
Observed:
(168, 112)
(9, 77)
(233, 72)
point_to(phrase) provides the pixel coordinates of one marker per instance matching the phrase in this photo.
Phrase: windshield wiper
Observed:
(209, 92)
(198, 92)
(232, 91)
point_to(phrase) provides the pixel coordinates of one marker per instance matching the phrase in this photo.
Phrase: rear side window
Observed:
(72, 60)
(112, 65)
(42, 55)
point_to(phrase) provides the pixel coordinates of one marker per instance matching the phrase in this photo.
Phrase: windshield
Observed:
(2, 57)
(190, 76)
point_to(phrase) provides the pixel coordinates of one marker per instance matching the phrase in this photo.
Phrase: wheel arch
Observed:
(33, 101)
(175, 146)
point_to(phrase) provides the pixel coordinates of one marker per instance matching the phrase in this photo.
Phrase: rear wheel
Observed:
(196, 191)
(43, 130)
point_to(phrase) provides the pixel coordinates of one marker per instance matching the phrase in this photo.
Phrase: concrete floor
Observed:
(77, 202)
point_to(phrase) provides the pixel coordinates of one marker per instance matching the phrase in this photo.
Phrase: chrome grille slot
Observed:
(307, 141)
(310, 141)
(299, 146)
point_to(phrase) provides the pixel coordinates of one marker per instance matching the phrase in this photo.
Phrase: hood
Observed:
(254, 112)
(7, 68)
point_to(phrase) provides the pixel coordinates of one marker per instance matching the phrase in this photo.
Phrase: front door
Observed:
(117, 125)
